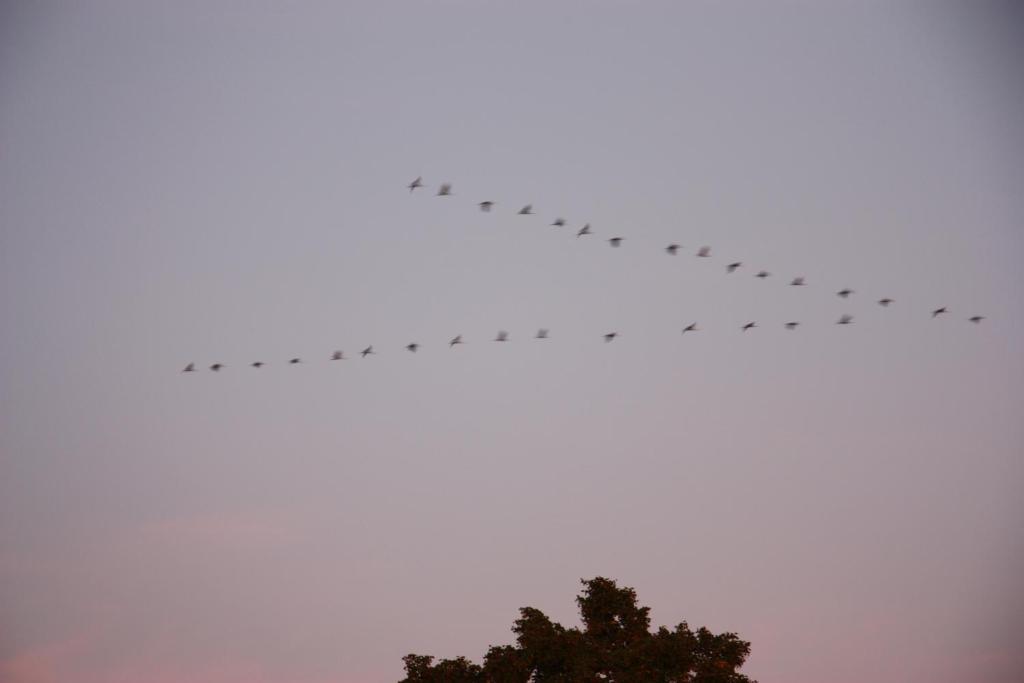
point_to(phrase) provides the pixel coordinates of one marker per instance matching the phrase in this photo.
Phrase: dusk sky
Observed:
(225, 182)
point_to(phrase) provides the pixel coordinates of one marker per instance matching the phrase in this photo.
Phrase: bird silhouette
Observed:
(257, 364)
(501, 336)
(412, 347)
(294, 361)
(445, 190)
(455, 340)
(526, 210)
(845, 293)
(585, 230)
(559, 222)
(731, 268)
(337, 355)
(884, 302)
(762, 274)
(749, 326)
(486, 206)
(791, 325)
(704, 252)
(615, 241)
(672, 249)
(976, 319)
(216, 367)
(938, 311)
(845, 320)
(610, 336)
(416, 183)
(542, 334)
(692, 327)
(191, 367)
(797, 282)
(368, 351)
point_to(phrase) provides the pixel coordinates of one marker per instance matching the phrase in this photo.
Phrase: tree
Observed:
(615, 645)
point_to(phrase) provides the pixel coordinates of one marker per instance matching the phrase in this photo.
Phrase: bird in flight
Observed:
(526, 210)
(762, 274)
(704, 252)
(368, 351)
(416, 183)
(412, 347)
(191, 367)
(216, 367)
(938, 311)
(692, 327)
(258, 364)
(337, 355)
(559, 222)
(445, 190)
(797, 282)
(455, 340)
(731, 268)
(884, 302)
(749, 326)
(791, 325)
(542, 334)
(585, 230)
(976, 319)
(486, 206)
(845, 320)
(672, 249)
(501, 336)
(844, 293)
(615, 241)
(610, 336)
(294, 361)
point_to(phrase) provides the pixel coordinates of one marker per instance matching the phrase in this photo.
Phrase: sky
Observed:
(226, 182)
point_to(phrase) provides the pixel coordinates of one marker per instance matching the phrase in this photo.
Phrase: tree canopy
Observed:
(615, 645)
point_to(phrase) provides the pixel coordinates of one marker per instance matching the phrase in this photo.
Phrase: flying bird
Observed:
(749, 326)
(258, 364)
(526, 210)
(938, 311)
(692, 327)
(455, 340)
(884, 302)
(615, 241)
(672, 249)
(368, 351)
(733, 266)
(976, 319)
(845, 320)
(337, 355)
(844, 293)
(585, 230)
(216, 367)
(191, 367)
(559, 222)
(501, 336)
(416, 183)
(486, 206)
(610, 336)
(412, 347)
(791, 325)
(294, 361)
(445, 190)
(797, 282)
(704, 252)
(542, 334)
(762, 274)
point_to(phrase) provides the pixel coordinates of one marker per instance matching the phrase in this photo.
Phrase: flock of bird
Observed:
(486, 206)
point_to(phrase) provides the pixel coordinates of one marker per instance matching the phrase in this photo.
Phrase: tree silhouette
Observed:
(615, 645)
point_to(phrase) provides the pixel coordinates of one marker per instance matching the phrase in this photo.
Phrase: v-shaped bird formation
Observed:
(673, 249)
